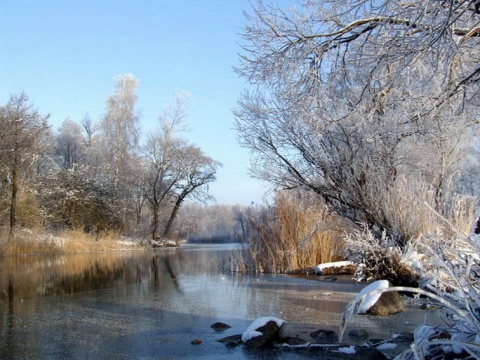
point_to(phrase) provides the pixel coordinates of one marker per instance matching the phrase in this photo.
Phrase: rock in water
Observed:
(262, 332)
(375, 302)
(325, 336)
(389, 303)
(219, 326)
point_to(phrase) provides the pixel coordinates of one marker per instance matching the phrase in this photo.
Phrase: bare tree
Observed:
(21, 131)
(199, 171)
(349, 93)
(175, 169)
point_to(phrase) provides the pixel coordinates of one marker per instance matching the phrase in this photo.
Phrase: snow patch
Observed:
(347, 350)
(252, 332)
(319, 269)
(370, 299)
(386, 346)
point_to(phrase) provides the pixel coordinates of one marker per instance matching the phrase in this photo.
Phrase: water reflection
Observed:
(28, 277)
(152, 304)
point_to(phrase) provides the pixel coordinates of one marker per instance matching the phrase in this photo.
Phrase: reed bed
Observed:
(294, 235)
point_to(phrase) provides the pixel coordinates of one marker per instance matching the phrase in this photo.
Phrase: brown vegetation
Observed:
(38, 242)
(294, 235)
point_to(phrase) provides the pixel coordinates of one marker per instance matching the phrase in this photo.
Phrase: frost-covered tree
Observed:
(22, 129)
(355, 99)
(118, 142)
(75, 198)
(70, 146)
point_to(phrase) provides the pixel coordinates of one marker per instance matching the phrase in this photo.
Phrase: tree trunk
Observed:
(13, 203)
(173, 215)
(156, 220)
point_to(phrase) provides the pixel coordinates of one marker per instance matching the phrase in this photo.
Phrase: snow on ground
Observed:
(252, 332)
(370, 299)
(319, 269)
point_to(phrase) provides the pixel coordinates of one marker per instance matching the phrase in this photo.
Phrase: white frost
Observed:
(370, 299)
(252, 332)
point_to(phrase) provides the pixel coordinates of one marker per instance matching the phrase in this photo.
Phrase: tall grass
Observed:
(38, 242)
(294, 235)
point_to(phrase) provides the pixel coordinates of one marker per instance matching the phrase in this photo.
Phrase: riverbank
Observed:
(37, 242)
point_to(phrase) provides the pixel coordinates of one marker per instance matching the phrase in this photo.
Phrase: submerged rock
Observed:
(231, 341)
(325, 336)
(220, 326)
(358, 334)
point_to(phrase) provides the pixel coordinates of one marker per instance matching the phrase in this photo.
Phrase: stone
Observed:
(269, 334)
(389, 303)
(219, 326)
(325, 336)
(196, 342)
(231, 341)
(330, 278)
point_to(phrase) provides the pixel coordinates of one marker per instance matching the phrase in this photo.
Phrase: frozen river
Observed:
(151, 305)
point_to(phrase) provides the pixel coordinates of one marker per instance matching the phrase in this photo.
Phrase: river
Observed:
(152, 304)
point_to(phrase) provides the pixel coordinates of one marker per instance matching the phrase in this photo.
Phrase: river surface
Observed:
(152, 304)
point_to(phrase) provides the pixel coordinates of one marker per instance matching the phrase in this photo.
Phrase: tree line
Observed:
(99, 176)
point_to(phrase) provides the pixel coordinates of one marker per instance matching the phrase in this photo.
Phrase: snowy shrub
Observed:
(377, 258)
(448, 264)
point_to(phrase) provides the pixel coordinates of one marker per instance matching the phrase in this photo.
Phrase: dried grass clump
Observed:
(294, 235)
(38, 242)
(378, 258)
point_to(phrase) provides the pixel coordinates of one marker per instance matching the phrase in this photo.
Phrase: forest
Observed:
(98, 176)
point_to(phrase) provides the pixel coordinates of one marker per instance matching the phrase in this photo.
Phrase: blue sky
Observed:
(64, 55)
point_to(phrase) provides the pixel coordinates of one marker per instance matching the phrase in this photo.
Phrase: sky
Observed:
(65, 54)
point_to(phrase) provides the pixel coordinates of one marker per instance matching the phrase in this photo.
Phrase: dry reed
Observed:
(38, 242)
(295, 235)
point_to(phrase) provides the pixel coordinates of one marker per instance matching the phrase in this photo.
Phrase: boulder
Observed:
(219, 326)
(389, 303)
(374, 302)
(262, 332)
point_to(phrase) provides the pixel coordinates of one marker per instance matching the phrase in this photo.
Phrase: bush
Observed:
(377, 258)
(448, 266)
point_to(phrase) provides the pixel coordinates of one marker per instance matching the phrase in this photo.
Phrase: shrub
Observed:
(377, 258)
